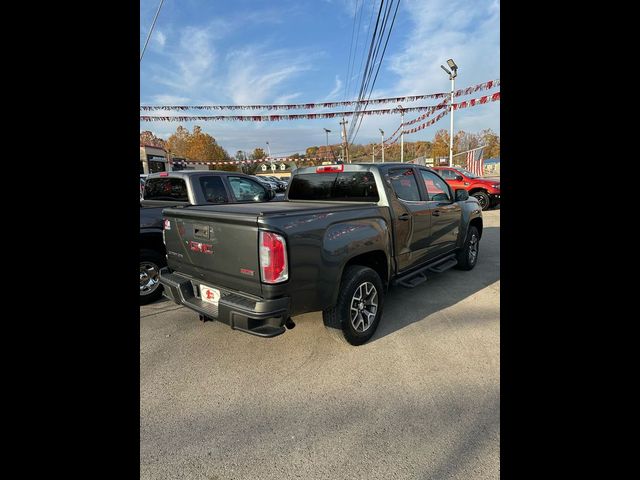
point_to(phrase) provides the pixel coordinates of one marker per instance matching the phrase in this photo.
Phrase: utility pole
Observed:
(382, 143)
(345, 147)
(373, 153)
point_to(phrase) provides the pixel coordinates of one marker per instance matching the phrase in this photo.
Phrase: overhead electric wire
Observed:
(367, 70)
(360, 72)
(151, 29)
(353, 27)
(379, 65)
(355, 51)
(358, 118)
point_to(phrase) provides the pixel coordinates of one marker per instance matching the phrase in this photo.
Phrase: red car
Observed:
(486, 190)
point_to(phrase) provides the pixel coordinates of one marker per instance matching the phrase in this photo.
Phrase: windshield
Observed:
(467, 173)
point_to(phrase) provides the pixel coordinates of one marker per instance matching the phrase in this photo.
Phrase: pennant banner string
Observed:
(307, 106)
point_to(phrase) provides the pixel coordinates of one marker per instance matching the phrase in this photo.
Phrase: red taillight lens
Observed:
(273, 258)
(164, 174)
(167, 224)
(330, 168)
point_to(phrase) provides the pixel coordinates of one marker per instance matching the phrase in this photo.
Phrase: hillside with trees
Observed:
(202, 147)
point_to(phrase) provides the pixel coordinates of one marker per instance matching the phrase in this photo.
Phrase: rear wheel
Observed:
(483, 199)
(358, 309)
(150, 264)
(468, 256)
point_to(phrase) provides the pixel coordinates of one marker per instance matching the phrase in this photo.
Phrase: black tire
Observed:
(466, 257)
(483, 199)
(150, 264)
(356, 281)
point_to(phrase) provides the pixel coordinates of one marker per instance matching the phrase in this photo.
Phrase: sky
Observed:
(204, 52)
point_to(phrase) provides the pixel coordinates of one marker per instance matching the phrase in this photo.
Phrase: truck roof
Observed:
(351, 167)
(193, 173)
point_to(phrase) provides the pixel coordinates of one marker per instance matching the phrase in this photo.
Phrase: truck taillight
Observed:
(274, 267)
(330, 168)
(167, 224)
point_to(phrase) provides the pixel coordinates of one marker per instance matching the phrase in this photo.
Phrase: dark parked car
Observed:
(266, 182)
(343, 235)
(280, 185)
(170, 189)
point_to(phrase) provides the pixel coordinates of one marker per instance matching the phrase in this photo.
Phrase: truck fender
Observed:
(471, 212)
(343, 242)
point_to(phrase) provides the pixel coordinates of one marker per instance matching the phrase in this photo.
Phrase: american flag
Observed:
(475, 162)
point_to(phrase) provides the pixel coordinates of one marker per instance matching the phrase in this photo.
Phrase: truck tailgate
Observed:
(219, 248)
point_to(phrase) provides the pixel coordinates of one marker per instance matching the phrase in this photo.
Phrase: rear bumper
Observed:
(264, 318)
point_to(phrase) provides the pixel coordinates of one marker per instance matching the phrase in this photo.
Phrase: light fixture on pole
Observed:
(382, 143)
(401, 134)
(327, 131)
(452, 76)
(269, 152)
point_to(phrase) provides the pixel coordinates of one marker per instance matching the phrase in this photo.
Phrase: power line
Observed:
(151, 30)
(379, 65)
(353, 27)
(359, 118)
(360, 71)
(366, 71)
(376, 39)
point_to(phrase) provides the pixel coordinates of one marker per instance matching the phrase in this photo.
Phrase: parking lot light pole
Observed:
(382, 143)
(327, 131)
(452, 76)
(401, 134)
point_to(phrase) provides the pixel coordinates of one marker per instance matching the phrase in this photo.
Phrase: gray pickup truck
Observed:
(171, 189)
(343, 235)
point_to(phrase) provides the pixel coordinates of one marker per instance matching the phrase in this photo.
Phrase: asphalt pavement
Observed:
(421, 400)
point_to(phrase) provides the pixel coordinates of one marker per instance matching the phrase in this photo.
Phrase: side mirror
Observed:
(459, 178)
(270, 194)
(461, 195)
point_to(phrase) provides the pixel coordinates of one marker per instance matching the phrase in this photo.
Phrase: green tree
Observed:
(258, 154)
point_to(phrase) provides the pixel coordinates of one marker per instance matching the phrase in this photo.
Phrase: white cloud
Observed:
(160, 38)
(170, 100)
(336, 90)
(192, 63)
(287, 98)
(257, 73)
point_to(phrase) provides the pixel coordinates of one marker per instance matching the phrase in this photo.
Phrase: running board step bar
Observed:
(418, 277)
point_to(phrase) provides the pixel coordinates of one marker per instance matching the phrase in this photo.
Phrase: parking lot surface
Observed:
(421, 400)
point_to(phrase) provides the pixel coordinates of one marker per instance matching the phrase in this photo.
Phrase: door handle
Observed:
(404, 216)
(436, 213)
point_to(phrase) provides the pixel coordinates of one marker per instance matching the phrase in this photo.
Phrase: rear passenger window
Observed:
(170, 189)
(213, 190)
(404, 183)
